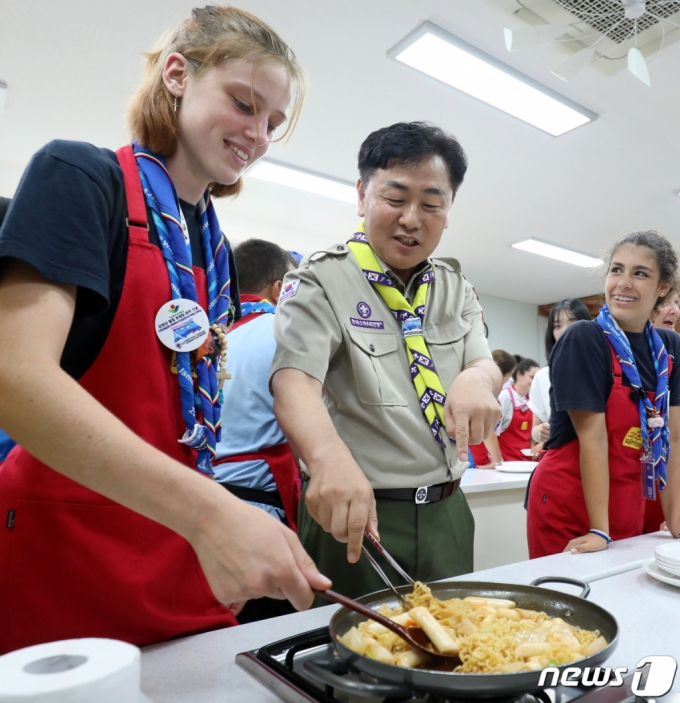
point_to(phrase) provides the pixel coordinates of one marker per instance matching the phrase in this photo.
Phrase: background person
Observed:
(562, 314)
(611, 378)
(514, 431)
(356, 325)
(664, 317)
(254, 461)
(115, 531)
(488, 454)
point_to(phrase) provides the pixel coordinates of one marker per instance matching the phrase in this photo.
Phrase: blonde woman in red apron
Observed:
(615, 419)
(112, 523)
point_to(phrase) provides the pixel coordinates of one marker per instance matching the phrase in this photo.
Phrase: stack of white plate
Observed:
(667, 557)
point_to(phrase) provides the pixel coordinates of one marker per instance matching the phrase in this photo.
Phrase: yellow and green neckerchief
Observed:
(423, 373)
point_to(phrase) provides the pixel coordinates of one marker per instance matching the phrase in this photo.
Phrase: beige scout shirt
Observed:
(333, 325)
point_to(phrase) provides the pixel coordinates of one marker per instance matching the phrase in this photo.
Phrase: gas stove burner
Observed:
(306, 669)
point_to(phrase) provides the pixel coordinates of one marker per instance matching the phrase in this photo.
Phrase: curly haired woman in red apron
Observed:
(111, 265)
(615, 420)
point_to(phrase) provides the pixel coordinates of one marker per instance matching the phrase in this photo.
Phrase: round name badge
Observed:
(182, 325)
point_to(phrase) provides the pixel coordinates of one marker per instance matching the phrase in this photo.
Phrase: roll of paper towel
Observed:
(72, 671)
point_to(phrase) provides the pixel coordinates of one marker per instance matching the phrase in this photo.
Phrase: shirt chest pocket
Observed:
(380, 374)
(446, 342)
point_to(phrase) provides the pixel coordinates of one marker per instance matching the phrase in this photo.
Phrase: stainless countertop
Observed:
(201, 669)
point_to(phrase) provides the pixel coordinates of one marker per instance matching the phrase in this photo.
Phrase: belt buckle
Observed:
(422, 495)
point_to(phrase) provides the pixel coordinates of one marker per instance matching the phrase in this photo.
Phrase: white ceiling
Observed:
(72, 64)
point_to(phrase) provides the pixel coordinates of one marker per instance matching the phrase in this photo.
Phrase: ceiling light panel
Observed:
(568, 256)
(440, 55)
(304, 180)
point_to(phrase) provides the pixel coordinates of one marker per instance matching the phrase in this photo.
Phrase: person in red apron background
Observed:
(664, 317)
(562, 314)
(514, 430)
(487, 455)
(615, 412)
(254, 460)
(116, 290)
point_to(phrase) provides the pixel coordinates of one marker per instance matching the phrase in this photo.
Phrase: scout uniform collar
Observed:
(423, 373)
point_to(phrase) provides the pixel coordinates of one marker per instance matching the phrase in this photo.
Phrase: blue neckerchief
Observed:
(259, 306)
(161, 197)
(658, 440)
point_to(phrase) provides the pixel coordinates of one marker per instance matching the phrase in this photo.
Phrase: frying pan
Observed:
(573, 609)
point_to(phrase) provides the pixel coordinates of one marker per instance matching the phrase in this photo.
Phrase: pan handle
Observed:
(564, 579)
(322, 671)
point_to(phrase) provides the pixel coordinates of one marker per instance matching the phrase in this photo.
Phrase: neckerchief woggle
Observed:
(161, 197)
(423, 373)
(257, 306)
(653, 418)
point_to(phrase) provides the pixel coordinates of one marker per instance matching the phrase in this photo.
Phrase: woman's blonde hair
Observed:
(212, 35)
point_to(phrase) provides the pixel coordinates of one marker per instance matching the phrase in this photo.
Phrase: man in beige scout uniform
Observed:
(380, 358)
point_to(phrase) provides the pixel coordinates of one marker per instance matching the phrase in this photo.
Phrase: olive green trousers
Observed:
(431, 541)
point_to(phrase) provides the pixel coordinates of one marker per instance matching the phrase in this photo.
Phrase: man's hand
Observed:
(587, 543)
(544, 432)
(340, 498)
(472, 410)
(246, 553)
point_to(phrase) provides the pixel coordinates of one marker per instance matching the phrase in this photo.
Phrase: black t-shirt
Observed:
(581, 373)
(4, 205)
(67, 219)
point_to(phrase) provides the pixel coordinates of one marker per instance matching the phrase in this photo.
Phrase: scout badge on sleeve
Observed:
(653, 417)
(185, 326)
(423, 373)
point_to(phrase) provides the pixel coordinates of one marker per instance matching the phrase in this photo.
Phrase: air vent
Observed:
(604, 16)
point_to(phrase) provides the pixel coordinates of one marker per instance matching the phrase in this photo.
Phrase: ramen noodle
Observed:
(489, 635)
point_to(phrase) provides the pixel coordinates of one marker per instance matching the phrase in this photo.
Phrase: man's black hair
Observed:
(259, 264)
(409, 143)
(4, 206)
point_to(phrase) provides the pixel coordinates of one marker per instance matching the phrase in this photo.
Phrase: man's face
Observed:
(405, 211)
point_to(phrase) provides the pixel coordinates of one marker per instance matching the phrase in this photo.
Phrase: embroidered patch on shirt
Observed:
(525, 425)
(372, 324)
(364, 309)
(289, 290)
(633, 438)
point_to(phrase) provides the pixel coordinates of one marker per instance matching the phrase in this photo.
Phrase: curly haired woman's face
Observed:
(632, 286)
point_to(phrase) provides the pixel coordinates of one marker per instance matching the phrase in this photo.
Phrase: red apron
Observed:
(517, 435)
(480, 454)
(557, 511)
(73, 563)
(280, 457)
(285, 472)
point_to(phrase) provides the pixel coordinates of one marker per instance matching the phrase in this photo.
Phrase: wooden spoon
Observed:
(413, 635)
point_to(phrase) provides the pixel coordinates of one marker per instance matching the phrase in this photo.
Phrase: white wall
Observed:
(514, 327)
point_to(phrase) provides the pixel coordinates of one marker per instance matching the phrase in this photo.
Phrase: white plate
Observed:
(654, 571)
(668, 569)
(517, 467)
(669, 552)
(526, 452)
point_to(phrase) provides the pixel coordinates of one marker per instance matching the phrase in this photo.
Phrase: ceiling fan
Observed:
(635, 12)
